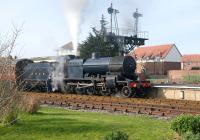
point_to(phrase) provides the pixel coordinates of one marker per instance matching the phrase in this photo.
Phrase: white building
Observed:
(66, 49)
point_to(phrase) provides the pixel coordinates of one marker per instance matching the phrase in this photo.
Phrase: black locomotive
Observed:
(103, 76)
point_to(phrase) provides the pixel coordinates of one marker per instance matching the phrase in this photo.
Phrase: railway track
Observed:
(154, 107)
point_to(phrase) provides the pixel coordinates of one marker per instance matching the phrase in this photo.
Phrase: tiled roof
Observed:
(191, 58)
(68, 46)
(151, 52)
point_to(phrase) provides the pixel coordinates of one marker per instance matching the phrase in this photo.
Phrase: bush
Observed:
(190, 136)
(30, 104)
(9, 103)
(185, 123)
(118, 135)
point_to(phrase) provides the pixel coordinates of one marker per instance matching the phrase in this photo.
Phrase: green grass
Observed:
(58, 124)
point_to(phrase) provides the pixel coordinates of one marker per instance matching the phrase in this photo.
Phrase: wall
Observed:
(177, 75)
(189, 65)
(159, 68)
(65, 52)
(170, 93)
(173, 55)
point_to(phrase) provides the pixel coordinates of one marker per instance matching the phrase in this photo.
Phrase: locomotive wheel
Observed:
(105, 93)
(90, 91)
(79, 91)
(66, 89)
(126, 92)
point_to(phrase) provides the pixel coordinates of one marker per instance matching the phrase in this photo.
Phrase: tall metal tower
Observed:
(103, 23)
(124, 43)
(113, 17)
(136, 16)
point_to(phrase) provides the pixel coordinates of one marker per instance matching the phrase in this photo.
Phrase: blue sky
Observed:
(45, 28)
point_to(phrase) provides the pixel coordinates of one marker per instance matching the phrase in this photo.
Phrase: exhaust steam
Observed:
(73, 13)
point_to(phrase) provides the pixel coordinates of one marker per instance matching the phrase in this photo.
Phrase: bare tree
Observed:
(9, 95)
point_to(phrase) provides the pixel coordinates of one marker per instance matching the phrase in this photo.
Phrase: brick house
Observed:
(190, 62)
(157, 60)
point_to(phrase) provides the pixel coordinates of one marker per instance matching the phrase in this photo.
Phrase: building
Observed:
(190, 62)
(190, 70)
(7, 68)
(44, 59)
(66, 49)
(157, 60)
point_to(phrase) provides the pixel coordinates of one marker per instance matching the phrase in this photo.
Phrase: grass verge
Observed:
(57, 123)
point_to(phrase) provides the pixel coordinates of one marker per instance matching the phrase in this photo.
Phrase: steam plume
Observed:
(58, 74)
(73, 12)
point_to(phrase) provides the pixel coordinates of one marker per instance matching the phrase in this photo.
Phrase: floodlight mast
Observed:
(136, 16)
(103, 23)
(124, 43)
(113, 16)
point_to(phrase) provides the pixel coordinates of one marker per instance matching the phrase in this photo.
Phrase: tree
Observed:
(95, 43)
(9, 95)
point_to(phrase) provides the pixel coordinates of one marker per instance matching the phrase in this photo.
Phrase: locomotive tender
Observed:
(103, 76)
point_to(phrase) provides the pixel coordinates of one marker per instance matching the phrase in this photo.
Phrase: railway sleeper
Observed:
(119, 108)
(89, 106)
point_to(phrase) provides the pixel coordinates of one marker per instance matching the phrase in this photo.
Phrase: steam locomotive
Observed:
(94, 76)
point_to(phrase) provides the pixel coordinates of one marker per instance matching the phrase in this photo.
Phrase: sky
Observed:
(45, 28)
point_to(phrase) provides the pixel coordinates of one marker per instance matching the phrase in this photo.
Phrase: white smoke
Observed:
(58, 74)
(73, 12)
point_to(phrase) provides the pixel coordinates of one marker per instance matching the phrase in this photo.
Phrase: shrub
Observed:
(190, 136)
(118, 135)
(185, 123)
(30, 104)
(9, 103)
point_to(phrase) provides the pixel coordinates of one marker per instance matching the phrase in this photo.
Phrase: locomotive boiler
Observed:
(120, 65)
